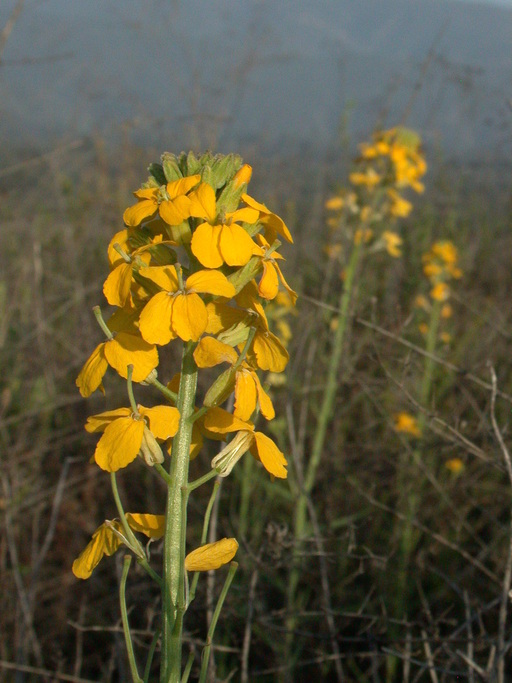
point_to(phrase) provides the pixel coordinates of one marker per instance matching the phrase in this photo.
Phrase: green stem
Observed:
(124, 618)
(173, 397)
(188, 668)
(149, 661)
(205, 658)
(175, 521)
(99, 319)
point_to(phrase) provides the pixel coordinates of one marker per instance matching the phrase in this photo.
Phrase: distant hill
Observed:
(275, 73)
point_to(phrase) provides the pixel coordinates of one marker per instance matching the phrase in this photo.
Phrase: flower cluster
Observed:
(387, 166)
(440, 266)
(196, 262)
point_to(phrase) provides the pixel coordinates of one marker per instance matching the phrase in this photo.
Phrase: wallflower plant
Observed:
(194, 267)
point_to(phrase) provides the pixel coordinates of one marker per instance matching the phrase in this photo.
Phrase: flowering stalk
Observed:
(440, 267)
(192, 268)
(389, 164)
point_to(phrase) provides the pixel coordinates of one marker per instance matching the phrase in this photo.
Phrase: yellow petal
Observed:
(211, 555)
(120, 238)
(163, 276)
(163, 421)
(245, 395)
(176, 211)
(98, 423)
(270, 353)
(203, 204)
(116, 287)
(189, 316)
(291, 293)
(92, 373)
(210, 282)
(268, 453)
(245, 215)
(269, 283)
(235, 245)
(152, 526)
(220, 421)
(266, 406)
(268, 218)
(103, 542)
(130, 349)
(182, 186)
(120, 444)
(222, 317)
(155, 319)
(205, 245)
(134, 215)
(210, 352)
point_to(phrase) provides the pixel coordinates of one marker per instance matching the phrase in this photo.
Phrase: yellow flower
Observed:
(123, 433)
(393, 242)
(110, 535)
(369, 178)
(440, 292)
(272, 223)
(362, 235)
(446, 311)
(211, 555)
(423, 328)
(169, 200)
(406, 423)
(221, 239)
(249, 394)
(266, 352)
(454, 465)
(422, 302)
(220, 422)
(335, 203)
(176, 312)
(399, 206)
(123, 350)
(268, 286)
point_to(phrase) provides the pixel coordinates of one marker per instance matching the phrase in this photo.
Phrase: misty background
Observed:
(274, 76)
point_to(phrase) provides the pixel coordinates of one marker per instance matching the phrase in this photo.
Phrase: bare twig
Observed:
(430, 660)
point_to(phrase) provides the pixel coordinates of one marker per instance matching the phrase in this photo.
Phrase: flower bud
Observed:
(150, 449)
(170, 167)
(220, 389)
(243, 176)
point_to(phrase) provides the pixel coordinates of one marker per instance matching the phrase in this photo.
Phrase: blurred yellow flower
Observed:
(454, 465)
(407, 423)
(440, 292)
(393, 243)
(335, 203)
